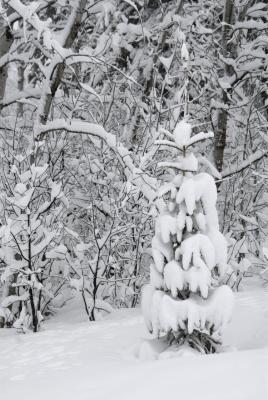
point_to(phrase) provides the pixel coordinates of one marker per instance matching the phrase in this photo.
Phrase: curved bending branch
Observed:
(257, 156)
(146, 184)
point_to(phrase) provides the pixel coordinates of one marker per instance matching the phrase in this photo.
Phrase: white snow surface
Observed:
(74, 359)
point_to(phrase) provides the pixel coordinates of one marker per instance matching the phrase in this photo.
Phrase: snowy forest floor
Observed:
(72, 359)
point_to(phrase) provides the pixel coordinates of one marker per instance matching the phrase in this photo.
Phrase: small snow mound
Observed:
(146, 352)
(178, 352)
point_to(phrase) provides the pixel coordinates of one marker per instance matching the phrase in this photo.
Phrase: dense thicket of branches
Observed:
(86, 88)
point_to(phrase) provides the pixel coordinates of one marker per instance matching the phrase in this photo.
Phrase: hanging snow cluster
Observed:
(182, 299)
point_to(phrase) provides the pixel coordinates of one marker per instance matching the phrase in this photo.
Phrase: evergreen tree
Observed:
(184, 301)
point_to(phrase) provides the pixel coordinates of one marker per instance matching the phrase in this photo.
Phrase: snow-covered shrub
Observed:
(30, 243)
(107, 252)
(183, 299)
(241, 263)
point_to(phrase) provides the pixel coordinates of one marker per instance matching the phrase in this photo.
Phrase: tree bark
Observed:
(6, 40)
(222, 122)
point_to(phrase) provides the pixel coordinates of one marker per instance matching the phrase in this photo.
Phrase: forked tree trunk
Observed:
(70, 38)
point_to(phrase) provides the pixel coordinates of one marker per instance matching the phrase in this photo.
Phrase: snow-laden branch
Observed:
(146, 184)
(251, 24)
(7, 59)
(257, 156)
(28, 14)
(167, 133)
(199, 137)
(71, 58)
(13, 299)
(42, 6)
(167, 143)
(213, 170)
(176, 165)
(20, 96)
(77, 126)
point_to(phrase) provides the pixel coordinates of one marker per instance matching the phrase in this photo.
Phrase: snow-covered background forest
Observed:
(133, 199)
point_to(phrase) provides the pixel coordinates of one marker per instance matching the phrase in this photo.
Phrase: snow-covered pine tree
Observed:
(184, 301)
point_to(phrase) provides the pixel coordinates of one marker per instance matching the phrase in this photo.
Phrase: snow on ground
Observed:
(72, 359)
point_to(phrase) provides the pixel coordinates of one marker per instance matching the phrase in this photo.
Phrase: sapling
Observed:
(184, 302)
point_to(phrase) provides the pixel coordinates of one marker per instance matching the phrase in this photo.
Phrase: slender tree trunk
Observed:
(20, 86)
(31, 292)
(6, 40)
(222, 120)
